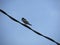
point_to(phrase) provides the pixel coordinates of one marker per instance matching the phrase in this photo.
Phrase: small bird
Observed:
(25, 21)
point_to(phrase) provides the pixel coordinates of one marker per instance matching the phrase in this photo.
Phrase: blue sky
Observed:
(44, 15)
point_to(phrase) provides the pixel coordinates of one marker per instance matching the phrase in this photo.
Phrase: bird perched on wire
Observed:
(25, 21)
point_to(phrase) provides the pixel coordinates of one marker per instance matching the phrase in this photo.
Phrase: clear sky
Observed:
(44, 15)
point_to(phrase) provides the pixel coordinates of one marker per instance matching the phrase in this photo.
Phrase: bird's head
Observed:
(22, 17)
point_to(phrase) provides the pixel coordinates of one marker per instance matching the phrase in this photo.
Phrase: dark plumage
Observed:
(25, 21)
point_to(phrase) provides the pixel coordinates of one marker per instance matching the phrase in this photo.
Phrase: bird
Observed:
(25, 21)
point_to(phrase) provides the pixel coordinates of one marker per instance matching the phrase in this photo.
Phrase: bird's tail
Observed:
(30, 24)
